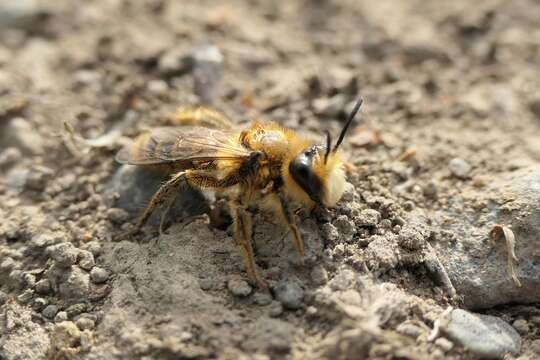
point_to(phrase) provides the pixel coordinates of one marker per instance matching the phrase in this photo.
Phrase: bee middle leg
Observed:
(243, 229)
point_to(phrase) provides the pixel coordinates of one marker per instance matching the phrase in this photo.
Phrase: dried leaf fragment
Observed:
(497, 232)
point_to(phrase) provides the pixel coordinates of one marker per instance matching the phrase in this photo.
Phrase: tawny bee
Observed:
(265, 165)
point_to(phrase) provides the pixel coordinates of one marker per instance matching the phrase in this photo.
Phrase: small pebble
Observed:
(319, 275)
(50, 311)
(409, 329)
(430, 190)
(206, 284)
(522, 326)
(76, 309)
(239, 287)
(535, 346)
(329, 232)
(275, 309)
(3, 297)
(39, 304)
(345, 227)
(86, 260)
(117, 215)
(65, 254)
(445, 344)
(26, 296)
(290, 294)
(85, 323)
(60, 316)
(99, 275)
(262, 298)
(368, 217)
(459, 168)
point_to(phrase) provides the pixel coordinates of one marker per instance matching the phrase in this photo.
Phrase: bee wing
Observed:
(182, 146)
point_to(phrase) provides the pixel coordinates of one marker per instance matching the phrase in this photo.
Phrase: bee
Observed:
(265, 166)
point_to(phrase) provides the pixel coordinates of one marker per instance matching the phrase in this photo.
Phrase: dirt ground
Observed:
(447, 147)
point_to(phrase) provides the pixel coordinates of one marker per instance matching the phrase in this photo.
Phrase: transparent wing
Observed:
(183, 146)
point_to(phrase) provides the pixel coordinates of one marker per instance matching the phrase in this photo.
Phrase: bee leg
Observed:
(243, 230)
(165, 213)
(163, 196)
(288, 217)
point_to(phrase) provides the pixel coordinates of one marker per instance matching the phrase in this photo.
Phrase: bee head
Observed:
(318, 170)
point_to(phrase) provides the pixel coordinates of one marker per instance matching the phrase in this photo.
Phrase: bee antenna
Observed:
(348, 123)
(328, 145)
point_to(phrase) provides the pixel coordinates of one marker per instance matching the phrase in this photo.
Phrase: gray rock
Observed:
(207, 72)
(484, 335)
(3, 297)
(290, 295)
(262, 298)
(275, 309)
(239, 287)
(50, 311)
(330, 233)
(319, 276)
(345, 228)
(117, 216)
(445, 344)
(86, 260)
(76, 284)
(20, 134)
(26, 296)
(85, 323)
(18, 13)
(368, 217)
(43, 286)
(65, 254)
(60, 316)
(99, 275)
(10, 156)
(135, 186)
(459, 168)
(522, 326)
(39, 304)
(476, 264)
(331, 107)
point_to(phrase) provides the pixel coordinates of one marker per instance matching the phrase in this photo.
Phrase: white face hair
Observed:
(334, 187)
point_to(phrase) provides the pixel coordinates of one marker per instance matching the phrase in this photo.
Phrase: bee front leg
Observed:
(287, 216)
(243, 226)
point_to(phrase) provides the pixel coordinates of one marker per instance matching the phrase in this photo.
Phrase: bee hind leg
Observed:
(164, 196)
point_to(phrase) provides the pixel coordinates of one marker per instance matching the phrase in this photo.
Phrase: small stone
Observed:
(459, 168)
(445, 344)
(330, 107)
(86, 260)
(60, 316)
(290, 295)
(29, 280)
(522, 326)
(43, 286)
(85, 323)
(319, 276)
(76, 284)
(409, 329)
(329, 232)
(206, 284)
(239, 287)
(3, 297)
(26, 296)
(535, 346)
(39, 304)
(410, 238)
(262, 298)
(19, 133)
(483, 335)
(65, 254)
(275, 309)
(408, 205)
(50, 311)
(76, 309)
(158, 87)
(368, 217)
(430, 190)
(99, 275)
(207, 72)
(10, 156)
(345, 227)
(117, 215)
